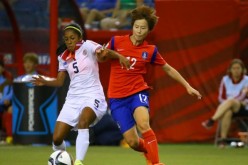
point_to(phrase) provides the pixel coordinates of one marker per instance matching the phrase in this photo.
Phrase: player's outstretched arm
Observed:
(173, 73)
(104, 54)
(40, 80)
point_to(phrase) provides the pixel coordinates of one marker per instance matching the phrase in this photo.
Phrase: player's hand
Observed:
(102, 54)
(194, 92)
(38, 80)
(124, 62)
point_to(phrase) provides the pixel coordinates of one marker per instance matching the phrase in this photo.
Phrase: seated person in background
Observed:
(96, 10)
(232, 96)
(30, 63)
(119, 19)
(7, 75)
(6, 93)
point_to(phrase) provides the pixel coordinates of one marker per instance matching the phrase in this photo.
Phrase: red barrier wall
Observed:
(198, 38)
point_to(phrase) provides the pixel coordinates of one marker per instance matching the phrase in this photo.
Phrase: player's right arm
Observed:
(104, 54)
(58, 82)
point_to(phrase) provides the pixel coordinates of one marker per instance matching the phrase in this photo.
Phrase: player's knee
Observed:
(133, 143)
(57, 140)
(143, 127)
(83, 123)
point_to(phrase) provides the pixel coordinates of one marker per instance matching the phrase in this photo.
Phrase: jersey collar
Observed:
(67, 55)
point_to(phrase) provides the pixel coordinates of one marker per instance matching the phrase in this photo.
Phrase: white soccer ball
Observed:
(60, 158)
(240, 144)
(233, 144)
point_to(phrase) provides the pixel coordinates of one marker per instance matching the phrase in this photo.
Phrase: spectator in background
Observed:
(6, 93)
(94, 11)
(232, 97)
(30, 63)
(120, 17)
(7, 75)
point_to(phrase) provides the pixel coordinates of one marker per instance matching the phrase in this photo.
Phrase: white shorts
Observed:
(73, 108)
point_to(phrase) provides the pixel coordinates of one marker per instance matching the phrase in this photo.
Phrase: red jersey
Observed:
(125, 82)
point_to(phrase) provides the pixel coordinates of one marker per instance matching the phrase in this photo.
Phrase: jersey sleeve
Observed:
(61, 66)
(157, 59)
(94, 46)
(111, 44)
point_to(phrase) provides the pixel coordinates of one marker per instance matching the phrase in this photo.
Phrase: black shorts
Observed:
(243, 112)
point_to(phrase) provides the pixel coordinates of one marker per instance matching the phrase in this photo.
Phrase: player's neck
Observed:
(135, 42)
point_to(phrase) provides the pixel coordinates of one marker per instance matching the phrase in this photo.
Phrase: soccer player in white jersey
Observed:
(85, 101)
(232, 97)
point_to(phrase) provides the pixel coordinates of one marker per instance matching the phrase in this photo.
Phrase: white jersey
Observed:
(85, 88)
(229, 89)
(83, 72)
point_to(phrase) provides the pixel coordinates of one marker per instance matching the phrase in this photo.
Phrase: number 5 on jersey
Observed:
(75, 67)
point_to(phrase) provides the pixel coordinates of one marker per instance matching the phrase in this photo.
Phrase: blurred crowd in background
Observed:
(96, 14)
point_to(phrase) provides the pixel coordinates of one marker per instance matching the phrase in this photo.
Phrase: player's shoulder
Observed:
(90, 43)
(149, 47)
(152, 47)
(60, 56)
(120, 38)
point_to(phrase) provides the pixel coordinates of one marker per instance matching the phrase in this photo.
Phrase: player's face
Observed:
(71, 39)
(140, 29)
(236, 70)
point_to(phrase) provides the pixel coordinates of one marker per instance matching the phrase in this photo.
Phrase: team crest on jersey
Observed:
(85, 52)
(144, 55)
(65, 63)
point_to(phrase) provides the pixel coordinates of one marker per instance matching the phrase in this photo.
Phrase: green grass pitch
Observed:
(170, 154)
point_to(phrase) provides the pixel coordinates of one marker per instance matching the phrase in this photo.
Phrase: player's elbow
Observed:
(59, 84)
(102, 58)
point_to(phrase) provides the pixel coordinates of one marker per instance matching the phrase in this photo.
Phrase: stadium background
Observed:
(198, 38)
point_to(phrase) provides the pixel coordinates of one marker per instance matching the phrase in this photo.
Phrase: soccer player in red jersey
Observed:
(128, 96)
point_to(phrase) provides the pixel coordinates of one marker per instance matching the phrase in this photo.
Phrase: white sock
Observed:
(82, 143)
(62, 146)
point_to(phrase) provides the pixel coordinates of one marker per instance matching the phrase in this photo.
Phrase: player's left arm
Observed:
(173, 73)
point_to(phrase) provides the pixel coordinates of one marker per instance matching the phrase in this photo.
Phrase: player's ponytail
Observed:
(61, 49)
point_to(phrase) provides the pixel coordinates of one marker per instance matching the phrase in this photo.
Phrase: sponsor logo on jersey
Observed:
(119, 50)
(144, 55)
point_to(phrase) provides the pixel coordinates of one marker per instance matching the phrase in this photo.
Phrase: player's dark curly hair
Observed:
(144, 12)
(72, 26)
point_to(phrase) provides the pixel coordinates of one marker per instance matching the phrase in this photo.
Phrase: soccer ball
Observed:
(60, 158)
